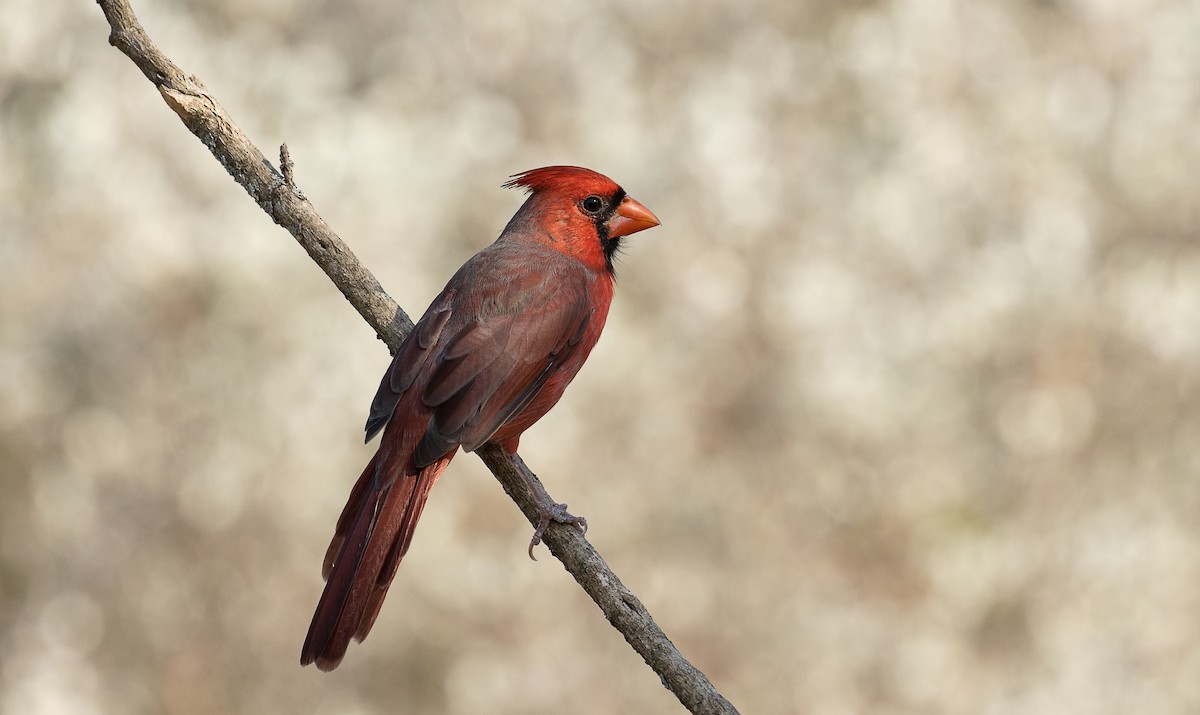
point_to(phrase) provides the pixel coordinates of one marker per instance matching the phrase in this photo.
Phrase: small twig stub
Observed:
(287, 166)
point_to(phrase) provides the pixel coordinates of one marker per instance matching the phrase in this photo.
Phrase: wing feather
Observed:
(489, 383)
(484, 349)
(413, 355)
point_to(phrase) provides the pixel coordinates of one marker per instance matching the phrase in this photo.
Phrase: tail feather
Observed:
(372, 535)
(408, 526)
(349, 511)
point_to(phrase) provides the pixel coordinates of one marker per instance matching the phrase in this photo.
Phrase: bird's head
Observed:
(579, 212)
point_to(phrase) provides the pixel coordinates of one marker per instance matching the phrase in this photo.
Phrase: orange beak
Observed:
(630, 217)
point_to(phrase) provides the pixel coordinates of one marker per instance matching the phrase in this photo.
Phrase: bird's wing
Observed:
(482, 352)
(410, 359)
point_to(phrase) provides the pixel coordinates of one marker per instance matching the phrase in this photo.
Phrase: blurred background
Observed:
(898, 411)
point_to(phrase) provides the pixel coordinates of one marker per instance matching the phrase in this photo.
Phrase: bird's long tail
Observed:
(372, 535)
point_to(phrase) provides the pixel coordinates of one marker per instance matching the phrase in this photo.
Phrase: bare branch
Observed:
(204, 116)
(276, 193)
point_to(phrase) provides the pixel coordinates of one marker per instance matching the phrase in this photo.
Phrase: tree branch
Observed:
(204, 116)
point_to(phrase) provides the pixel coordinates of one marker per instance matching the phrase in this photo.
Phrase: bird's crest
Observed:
(556, 177)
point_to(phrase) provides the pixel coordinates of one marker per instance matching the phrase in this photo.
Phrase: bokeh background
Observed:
(898, 411)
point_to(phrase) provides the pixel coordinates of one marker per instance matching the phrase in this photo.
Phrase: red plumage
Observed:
(491, 355)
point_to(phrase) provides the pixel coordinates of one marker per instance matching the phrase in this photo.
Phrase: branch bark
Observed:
(278, 196)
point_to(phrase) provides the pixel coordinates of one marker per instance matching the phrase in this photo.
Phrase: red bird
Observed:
(491, 355)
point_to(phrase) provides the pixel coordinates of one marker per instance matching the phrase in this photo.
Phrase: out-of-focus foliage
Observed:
(899, 410)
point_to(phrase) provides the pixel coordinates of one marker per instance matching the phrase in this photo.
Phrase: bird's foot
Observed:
(557, 513)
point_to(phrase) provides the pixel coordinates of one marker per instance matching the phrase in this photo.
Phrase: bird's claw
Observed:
(557, 513)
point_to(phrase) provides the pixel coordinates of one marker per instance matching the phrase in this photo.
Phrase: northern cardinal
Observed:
(490, 356)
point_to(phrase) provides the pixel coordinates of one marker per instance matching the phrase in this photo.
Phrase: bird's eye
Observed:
(592, 204)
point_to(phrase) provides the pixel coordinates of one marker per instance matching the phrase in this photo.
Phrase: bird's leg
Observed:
(548, 510)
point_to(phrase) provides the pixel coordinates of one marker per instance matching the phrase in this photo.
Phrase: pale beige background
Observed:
(897, 412)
